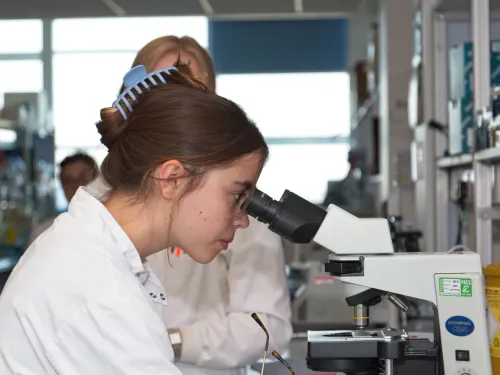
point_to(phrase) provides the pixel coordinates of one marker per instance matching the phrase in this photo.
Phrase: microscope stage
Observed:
(382, 343)
(361, 351)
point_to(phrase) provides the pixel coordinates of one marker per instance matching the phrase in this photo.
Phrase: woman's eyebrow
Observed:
(245, 184)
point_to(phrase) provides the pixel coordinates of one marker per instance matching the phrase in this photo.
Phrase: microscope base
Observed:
(367, 352)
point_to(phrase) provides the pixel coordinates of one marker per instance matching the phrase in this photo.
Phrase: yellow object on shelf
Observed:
(492, 284)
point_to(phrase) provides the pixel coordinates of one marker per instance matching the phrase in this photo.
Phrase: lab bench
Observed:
(275, 368)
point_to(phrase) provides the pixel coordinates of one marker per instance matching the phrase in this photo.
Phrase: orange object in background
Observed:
(177, 251)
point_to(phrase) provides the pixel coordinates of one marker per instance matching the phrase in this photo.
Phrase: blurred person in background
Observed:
(209, 305)
(77, 170)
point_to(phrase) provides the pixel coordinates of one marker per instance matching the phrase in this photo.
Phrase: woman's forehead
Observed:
(244, 171)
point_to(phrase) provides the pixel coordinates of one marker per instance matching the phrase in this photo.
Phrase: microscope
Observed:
(363, 258)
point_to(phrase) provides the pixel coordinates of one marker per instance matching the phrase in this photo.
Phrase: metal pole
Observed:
(481, 50)
(428, 76)
(482, 192)
(496, 185)
(425, 190)
(482, 172)
(389, 367)
(442, 191)
(47, 61)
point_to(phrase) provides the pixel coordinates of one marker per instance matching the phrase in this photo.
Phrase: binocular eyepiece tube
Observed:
(292, 217)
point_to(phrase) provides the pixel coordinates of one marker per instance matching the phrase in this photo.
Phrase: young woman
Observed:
(180, 163)
(208, 314)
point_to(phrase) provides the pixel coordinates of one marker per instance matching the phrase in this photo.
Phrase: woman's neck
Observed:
(138, 221)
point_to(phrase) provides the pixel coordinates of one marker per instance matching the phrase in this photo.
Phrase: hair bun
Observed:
(110, 127)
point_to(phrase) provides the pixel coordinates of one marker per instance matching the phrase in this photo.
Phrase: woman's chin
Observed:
(203, 255)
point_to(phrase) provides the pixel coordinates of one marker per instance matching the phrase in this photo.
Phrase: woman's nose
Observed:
(242, 220)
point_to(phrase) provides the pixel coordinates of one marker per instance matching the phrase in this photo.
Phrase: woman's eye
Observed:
(239, 197)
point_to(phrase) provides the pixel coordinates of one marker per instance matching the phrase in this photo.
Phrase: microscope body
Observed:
(363, 259)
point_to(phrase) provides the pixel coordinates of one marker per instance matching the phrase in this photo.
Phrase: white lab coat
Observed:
(212, 303)
(39, 229)
(81, 301)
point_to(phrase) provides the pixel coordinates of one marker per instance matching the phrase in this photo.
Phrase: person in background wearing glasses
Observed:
(77, 170)
(180, 163)
(208, 314)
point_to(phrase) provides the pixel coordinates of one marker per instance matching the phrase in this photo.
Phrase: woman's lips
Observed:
(225, 243)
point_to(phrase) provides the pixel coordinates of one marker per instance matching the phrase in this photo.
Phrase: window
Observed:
(83, 84)
(91, 57)
(20, 36)
(20, 76)
(123, 34)
(303, 169)
(292, 104)
(303, 106)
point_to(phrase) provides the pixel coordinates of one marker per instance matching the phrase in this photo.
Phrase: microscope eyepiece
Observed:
(262, 207)
(293, 217)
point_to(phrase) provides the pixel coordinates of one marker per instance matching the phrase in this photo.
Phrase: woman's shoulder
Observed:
(40, 228)
(45, 224)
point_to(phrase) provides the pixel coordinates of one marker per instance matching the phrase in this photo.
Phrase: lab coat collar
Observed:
(86, 204)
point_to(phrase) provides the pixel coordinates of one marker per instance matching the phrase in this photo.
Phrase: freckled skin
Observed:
(211, 213)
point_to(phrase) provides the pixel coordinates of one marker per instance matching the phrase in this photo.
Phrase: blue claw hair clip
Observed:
(134, 79)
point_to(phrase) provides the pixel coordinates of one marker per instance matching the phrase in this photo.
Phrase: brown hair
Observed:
(84, 158)
(152, 52)
(180, 120)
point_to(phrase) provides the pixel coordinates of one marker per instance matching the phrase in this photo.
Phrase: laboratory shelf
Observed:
(455, 161)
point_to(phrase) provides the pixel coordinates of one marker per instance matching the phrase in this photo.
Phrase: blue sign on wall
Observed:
(240, 47)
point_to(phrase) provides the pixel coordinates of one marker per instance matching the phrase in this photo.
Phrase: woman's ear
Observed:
(172, 176)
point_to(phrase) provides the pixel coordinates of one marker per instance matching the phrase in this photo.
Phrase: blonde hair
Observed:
(152, 52)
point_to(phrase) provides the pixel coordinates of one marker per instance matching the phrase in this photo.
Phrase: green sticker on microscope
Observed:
(455, 287)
